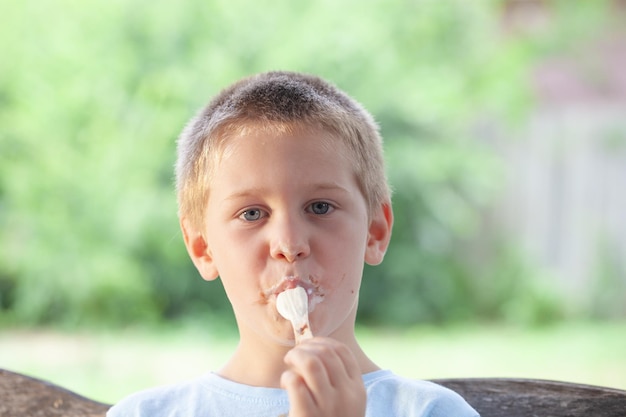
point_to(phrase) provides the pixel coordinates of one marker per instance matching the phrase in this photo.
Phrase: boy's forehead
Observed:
(287, 145)
(323, 140)
(258, 164)
(235, 139)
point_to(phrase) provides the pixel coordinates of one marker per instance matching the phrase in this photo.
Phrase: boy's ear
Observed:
(379, 234)
(198, 250)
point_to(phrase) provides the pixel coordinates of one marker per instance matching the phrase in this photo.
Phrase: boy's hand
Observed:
(323, 379)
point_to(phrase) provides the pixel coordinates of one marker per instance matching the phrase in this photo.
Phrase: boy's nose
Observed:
(289, 241)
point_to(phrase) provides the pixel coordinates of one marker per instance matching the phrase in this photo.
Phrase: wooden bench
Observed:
(503, 397)
(23, 396)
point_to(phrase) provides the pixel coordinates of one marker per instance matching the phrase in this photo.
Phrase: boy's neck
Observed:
(260, 363)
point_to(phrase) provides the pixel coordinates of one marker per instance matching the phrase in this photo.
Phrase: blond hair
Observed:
(276, 103)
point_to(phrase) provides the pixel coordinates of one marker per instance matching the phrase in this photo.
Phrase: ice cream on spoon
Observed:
(293, 305)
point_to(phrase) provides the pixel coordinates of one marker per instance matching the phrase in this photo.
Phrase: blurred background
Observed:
(505, 133)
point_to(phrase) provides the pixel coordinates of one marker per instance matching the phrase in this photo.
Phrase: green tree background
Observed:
(93, 94)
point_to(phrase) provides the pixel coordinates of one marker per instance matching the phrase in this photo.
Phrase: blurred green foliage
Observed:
(93, 94)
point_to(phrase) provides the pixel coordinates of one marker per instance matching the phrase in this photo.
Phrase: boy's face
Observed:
(286, 211)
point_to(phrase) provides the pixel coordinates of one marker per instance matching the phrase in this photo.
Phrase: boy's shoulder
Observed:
(394, 395)
(205, 396)
(156, 401)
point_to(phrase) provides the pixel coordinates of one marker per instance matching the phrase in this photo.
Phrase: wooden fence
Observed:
(565, 199)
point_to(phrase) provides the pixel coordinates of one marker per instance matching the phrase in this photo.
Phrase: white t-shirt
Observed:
(210, 395)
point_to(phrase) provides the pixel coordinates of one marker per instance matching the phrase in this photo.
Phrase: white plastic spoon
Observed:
(293, 305)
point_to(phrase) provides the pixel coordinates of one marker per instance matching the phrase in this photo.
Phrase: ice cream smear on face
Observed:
(293, 305)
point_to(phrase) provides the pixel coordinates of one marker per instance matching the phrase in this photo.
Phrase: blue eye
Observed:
(320, 207)
(252, 215)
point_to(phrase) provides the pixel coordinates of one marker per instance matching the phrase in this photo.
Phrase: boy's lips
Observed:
(310, 285)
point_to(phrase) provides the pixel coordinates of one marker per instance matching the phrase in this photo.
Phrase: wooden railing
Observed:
(503, 397)
(24, 396)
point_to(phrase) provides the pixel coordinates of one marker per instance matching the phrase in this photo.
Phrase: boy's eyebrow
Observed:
(260, 190)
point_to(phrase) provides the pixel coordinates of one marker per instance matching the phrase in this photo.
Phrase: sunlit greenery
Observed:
(93, 94)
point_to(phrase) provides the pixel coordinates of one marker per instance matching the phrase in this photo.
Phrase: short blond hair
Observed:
(276, 102)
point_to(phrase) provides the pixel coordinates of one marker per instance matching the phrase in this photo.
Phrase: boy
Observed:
(280, 184)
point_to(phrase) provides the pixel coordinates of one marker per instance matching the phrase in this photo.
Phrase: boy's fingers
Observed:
(336, 359)
(323, 379)
(307, 363)
(349, 362)
(325, 365)
(300, 397)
